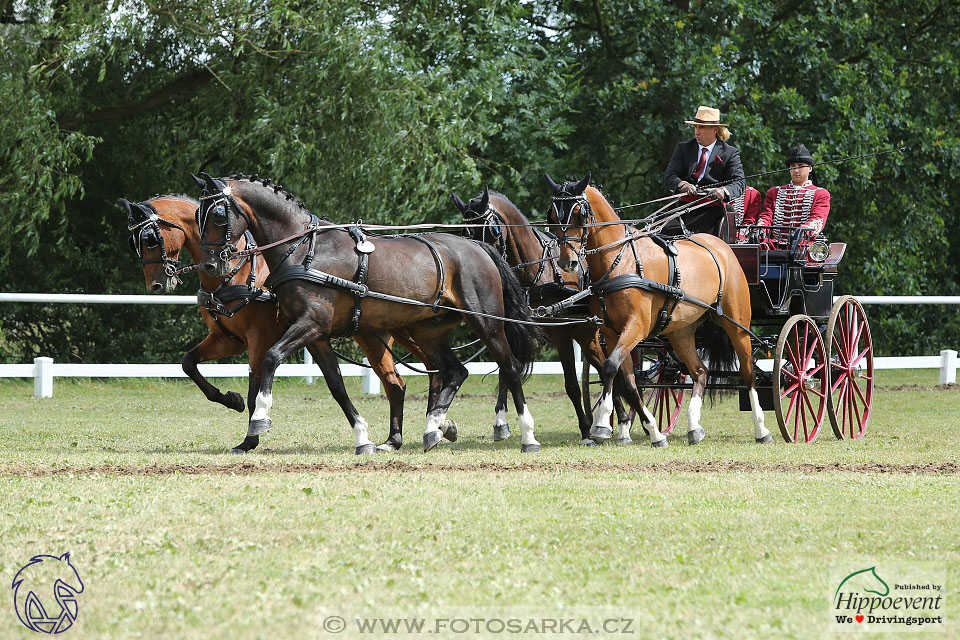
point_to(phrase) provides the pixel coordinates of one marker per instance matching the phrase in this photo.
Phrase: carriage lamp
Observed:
(818, 251)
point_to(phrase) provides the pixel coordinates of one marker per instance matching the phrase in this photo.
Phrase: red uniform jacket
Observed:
(804, 206)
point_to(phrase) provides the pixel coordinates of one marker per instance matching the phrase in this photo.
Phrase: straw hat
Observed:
(707, 116)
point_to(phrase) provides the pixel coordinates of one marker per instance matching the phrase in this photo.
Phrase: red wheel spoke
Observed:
(803, 414)
(789, 390)
(856, 387)
(841, 379)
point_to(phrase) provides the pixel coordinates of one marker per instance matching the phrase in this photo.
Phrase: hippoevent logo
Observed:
(45, 593)
(889, 597)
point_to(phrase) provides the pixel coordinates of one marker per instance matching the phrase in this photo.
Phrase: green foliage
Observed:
(376, 110)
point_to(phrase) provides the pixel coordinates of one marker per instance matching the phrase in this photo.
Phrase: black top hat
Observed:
(799, 154)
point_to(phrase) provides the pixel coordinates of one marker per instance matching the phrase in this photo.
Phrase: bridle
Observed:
(147, 233)
(489, 223)
(216, 206)
(562, 207)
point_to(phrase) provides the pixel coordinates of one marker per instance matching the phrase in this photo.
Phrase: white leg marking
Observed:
(625, 426)
(501, 418)
(693, 413)
(434, 420)
(526, 427)
(601, 417)
(360, 435)
(655, 435)
(264, 402)
(759, 430)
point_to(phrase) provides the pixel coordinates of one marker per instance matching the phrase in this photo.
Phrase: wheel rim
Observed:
(850, 353)
(800, 380)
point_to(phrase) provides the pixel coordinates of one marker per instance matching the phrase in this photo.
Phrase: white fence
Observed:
(44, 370)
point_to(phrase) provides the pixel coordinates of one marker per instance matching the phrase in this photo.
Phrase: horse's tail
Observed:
(524, 339)
(721, 356)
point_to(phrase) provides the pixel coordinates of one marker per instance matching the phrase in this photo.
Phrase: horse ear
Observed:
(582, 185)
(457, 201)
(200, 183)
(126, 206)
(485, 200)
(554, 187)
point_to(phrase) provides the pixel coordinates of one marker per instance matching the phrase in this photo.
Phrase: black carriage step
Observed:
(764, 394)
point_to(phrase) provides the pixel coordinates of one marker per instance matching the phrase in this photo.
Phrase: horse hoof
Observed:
(501, 432)
(660, 444)
(258, 427)
(587, 442)
(366, 449)
(388, 446)
(249, 444)
(695, 436)
(624, 441)
(233, 400)
(601, 434)
(530, 448)
(449, 430)
(767, 439)
(431, 439)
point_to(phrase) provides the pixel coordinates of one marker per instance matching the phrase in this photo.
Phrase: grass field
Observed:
(173, 537)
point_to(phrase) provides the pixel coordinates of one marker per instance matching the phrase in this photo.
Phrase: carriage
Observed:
(815, 354)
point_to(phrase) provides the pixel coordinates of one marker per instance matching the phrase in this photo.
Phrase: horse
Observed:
(639, 297)
(235, 308)
(491, 217)
(416, 287)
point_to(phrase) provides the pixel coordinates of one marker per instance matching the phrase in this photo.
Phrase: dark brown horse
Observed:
(332, 281)
(237, 315)
(630, 272)
(492, 218)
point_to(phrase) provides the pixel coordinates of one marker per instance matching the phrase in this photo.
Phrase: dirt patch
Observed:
(918, 387)
(398, 466)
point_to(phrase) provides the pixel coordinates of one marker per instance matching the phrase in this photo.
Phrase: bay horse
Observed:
(238, 313)
(415, 287)
(640, 298)
(494, 219)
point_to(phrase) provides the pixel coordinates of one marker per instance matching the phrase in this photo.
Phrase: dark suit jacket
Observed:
(722, 165)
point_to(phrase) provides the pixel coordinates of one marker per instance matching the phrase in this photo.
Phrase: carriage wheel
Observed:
(663, 403)
(850, 354)
(801, 380)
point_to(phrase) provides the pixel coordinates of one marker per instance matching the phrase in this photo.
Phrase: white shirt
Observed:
(709, 151)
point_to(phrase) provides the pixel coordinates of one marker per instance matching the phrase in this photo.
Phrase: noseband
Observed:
(152, 223)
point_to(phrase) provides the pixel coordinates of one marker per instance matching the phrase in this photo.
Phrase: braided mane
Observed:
(267, 182)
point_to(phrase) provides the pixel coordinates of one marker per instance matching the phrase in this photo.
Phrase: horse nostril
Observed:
(156, 287)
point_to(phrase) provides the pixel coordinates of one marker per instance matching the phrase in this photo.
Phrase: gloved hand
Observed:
(719, 193)
(686, 188)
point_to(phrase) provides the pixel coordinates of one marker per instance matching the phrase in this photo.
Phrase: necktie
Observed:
(700, 165)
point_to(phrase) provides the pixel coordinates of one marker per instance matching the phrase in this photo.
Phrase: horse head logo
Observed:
(866, 580)
(33, 586)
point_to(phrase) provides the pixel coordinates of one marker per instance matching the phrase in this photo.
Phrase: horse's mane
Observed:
(516, 209)
(284, 197)
(603, 203)
(181, 196)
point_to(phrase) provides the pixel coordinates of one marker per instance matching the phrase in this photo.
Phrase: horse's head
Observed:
(221, 221)
(569, 210)
(157, 241)
(487, 224)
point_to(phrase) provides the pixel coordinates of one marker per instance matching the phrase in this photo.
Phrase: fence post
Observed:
(307, 359)
(43, 377)
(371, 383)
(948, 366)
